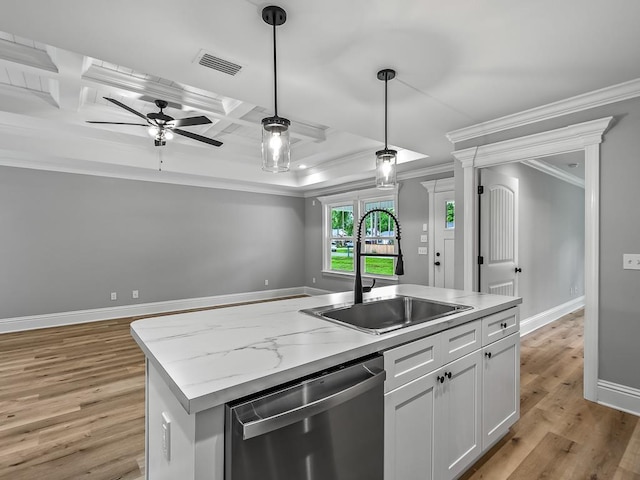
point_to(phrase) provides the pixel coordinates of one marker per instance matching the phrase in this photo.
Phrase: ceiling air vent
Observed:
(219, 64)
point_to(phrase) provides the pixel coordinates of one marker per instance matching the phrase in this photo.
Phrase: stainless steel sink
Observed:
(382, 315)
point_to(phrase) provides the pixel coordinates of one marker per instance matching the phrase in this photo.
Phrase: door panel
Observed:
(499, 233)
(444, 236)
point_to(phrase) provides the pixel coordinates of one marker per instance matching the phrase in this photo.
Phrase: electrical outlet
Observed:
(631, 261)
(313, 280)
(166, 436)
(114, 296)
(424, 238)
(266, 283)
(134, 294)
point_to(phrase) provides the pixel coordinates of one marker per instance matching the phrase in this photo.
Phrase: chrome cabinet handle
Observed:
(269, 424)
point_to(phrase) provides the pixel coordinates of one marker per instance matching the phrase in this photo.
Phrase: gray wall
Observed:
(69, 240)
(413, 210)
(550, 240)
(619, 315)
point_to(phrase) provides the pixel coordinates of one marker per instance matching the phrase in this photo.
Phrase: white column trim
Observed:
(591, 269)
(583, 136)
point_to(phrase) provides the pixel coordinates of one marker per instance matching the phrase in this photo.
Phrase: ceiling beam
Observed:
(67, 89)
(30, 59)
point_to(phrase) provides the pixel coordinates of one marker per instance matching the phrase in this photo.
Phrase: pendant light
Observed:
(276, 146)
(386, 160)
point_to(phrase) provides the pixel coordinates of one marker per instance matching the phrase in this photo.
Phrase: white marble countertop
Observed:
(211, 357)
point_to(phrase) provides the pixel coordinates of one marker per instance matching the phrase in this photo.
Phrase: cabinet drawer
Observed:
(459, 341)
(500, 325)
(408, 362)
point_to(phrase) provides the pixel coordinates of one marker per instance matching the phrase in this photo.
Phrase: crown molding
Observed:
(567, 139)
(555, 172)
(586, 101)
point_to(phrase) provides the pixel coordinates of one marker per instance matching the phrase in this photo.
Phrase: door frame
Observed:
(586, 137)
(433, 187)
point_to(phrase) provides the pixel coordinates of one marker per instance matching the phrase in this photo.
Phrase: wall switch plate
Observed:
(424, 227)
(631, 261)
(166, 436)
(422, 251)
(114, 296)
(424, 238)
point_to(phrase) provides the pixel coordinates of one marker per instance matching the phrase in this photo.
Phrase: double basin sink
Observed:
(383, 315)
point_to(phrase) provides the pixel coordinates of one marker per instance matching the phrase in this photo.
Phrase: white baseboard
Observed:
(620, 397)
(535, 322)
(32, 322)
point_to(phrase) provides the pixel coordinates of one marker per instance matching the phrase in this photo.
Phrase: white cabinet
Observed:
(451, 396)
(458, 421)
(409, 433)
(501, 388)
(432, 424)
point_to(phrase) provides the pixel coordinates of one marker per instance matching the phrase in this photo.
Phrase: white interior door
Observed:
(498, 233)
(444, 239)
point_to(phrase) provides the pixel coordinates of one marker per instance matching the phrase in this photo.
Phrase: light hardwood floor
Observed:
(561, 436)
(72, 407)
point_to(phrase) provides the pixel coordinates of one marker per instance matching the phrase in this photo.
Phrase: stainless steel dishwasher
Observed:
(327, 427)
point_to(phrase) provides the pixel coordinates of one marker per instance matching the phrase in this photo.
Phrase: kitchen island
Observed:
(199, 361)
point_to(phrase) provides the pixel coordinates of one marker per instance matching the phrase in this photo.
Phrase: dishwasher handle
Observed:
(275, 422)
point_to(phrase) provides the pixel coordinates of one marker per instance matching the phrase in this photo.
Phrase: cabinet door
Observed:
(501, 388)
(409, 433)
(458, 422)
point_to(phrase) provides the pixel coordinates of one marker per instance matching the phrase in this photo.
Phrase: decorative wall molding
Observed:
(620, 397)
(32, 322)
(552, 142)
(555, 172)
(418, 172)
(585, 136)
(597, 98)
(541, 319)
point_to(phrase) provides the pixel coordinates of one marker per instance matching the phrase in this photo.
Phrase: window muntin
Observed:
(379, 237)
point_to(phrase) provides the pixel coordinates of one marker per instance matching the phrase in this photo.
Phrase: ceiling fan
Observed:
(162, 126)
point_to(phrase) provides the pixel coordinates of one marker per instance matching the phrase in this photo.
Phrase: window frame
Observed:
(357, 200)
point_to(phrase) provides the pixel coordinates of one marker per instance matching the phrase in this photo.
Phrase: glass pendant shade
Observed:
(276, 145)
(386, 161)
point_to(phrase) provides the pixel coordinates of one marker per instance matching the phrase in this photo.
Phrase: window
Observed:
(341, 238)
(341, 214)
(450, 208)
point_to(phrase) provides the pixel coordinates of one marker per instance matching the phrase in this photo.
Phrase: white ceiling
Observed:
(458, 64)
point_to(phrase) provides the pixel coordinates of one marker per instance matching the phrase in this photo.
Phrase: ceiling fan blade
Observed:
(122, 105)
(195, 136)
(120, 123)
(187, 122)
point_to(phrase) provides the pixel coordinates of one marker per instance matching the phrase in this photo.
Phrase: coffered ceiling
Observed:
(458, 64)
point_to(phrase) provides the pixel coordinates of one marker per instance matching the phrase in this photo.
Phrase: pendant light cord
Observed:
(385, 112)
(275, 71)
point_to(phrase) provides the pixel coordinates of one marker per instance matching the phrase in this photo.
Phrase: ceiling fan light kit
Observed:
(276, 143)
(386, 159)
